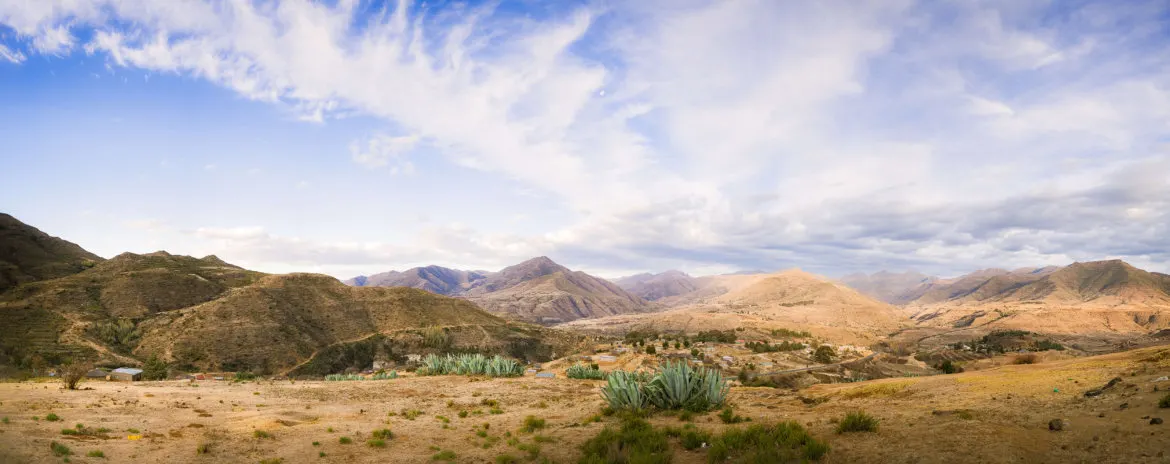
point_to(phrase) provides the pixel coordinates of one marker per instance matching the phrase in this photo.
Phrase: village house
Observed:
(126, 374)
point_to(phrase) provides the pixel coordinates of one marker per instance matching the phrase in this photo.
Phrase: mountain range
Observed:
(537, 290)
(206, 314)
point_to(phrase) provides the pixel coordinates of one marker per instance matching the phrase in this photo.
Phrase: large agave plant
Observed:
(623, 390)
(581, 371)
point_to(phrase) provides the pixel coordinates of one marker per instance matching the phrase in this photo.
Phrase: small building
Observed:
(728, 359)
(545, 375)
(530, 371)
(96, 374)
(606, 359)
(126, 374)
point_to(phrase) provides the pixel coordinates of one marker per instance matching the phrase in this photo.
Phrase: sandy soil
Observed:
(999, 414)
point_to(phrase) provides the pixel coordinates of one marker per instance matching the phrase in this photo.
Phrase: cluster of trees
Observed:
(785, 333)
(716, 336)
(765, 347)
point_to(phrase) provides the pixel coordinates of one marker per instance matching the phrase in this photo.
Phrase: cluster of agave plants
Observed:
(581, 371)
(471, 364)
(676, 385)
(345, 377)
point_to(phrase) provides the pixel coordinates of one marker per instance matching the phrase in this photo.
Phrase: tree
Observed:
(824, 354)
(154, 369)
(73, 373)
(650, 349)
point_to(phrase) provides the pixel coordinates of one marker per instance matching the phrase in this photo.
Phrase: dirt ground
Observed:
(996, 415)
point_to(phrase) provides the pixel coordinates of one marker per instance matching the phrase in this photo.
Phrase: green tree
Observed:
(824, 354)
(154, 369)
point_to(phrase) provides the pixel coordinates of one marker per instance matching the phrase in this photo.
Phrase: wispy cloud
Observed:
(833, 135)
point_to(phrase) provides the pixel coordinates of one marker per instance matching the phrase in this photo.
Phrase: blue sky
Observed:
(351, 137)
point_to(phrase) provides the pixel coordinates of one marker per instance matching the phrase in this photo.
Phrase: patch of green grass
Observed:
(383, 434)
(781, 442)
(532, 424)
(686, 416)
(496, 411)
(857, 421)
(636, 441)
(260, 434)
(272, 461)
(203, 448)
(329, 429)
(490, 403)
(345, 440)
(506, 459)
(728, 416)
(463, 414)
(52, 417)
(4, 420)
(133, 431)
(411, 414)
(445, 455)
(533, 449)
(543, 439)
(316, 443)
(1162, 403)
(376, 443)
(444, 419)
(320, 454)
(481, 433)
(59, 449)
(96, 454)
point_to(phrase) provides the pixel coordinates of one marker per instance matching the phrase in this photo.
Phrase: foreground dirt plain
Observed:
(997, 415)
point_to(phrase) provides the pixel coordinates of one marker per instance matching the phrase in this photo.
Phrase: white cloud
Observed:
(10, 55)
(700, 134)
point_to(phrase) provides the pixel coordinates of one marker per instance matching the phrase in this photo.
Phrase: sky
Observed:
(352, 137)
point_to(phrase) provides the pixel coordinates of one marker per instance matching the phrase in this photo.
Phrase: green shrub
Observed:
(345, 440)
(824, 354)
(857, 422)
(948, 367)
(203, 448)
(436, 337)
(382, 434)
(96, 454)
(462, 414)
(376, 443)
(781, 442)
(52, 417)
(154, 369)
(532, 424)
(262, 434)
(244, 376)
(445, 455)
(411, 414)
(635, 442)
(506, 459)
(1164, 402)
(580, 371)
(4, 420)
(651, 350)
(728, 416)
(59, 449)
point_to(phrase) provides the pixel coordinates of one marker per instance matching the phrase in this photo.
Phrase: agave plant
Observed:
(581, 371)
(471, 364)
(624, 390)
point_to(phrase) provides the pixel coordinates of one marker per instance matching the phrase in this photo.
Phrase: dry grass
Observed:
(900, 390)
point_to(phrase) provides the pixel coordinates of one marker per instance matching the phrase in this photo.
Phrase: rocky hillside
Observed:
(29, 255)
(538, 290)
(653, 287)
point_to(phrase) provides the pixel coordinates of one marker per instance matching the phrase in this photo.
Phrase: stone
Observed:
(1123, 406)
(1156, 421)
(1056, 425)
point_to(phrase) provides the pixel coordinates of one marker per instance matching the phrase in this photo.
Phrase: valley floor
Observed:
(997, 415)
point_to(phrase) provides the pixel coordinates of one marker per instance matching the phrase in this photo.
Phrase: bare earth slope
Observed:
(789, 299)
(890, 287)
(1094, 298)
(652, 287)
(434, 279)
(29, 255)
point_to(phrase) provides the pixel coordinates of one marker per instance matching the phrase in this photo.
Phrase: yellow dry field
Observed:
(997, 415)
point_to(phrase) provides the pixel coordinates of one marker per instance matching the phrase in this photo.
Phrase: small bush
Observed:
(260, 434)
(463, 414)
(686, 416)
(96, 454)
(376, 443)
(692, 438)
(651, 350)
(73, 374)
(154, 369)
(445, 455)
(203, 448)
(411, 414)
(4, 420)
(345, 440)
(781, 442)
(948, 367)
(635, 442)
(382, 434)
(824, 354)
(1027, 358)
(506, 459)
(316, 443)
(1164, 402)
(857, 422)
(52, 417)
(532, 424)
(728, 416)
(59, 449)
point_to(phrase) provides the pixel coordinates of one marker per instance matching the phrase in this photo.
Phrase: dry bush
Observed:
(73, 373)
(1029, 358)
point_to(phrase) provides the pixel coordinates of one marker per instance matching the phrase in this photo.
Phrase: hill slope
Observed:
(653, 287)
(29, 255)
(890, 287)
(434, 279)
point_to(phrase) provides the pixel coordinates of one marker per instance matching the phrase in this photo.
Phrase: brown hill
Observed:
(653, 287)
(202, 313)
(789, 299)
(434, 279)
(1093, 298)
(540, 290)
(981, 285)
(29, 255)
